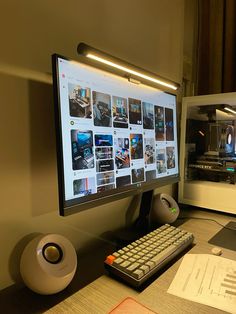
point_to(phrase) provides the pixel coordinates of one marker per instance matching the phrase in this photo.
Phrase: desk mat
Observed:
(225, 238)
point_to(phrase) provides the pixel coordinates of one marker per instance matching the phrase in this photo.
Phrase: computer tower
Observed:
(207, 152)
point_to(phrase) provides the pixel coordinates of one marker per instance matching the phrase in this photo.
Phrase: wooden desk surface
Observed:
(105, 293)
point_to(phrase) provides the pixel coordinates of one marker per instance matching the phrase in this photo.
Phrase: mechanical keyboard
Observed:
(140, 260)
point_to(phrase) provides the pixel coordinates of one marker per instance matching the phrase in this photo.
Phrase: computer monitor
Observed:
(114, 138)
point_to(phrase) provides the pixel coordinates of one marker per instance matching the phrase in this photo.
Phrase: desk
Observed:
(104, 293)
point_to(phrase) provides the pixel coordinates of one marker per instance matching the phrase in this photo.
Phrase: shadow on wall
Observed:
(44, 197)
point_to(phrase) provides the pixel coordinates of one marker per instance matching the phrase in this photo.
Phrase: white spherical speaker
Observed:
(48, 263)
(164, 209)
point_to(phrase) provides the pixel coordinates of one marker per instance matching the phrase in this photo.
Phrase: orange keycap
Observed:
(110, 259)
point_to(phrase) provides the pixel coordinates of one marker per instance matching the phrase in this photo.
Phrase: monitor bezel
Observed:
(68, 207)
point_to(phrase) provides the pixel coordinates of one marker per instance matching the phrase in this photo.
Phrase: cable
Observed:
(187, 217)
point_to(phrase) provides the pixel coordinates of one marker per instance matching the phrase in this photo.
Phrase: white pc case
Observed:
(208, 153)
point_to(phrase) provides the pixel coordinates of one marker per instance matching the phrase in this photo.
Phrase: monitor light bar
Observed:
(120, 67)
(97, 55)
(230, 110)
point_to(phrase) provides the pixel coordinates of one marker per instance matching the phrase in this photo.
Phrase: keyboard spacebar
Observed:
(162, 255)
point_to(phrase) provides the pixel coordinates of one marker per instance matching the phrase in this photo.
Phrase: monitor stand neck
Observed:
(140, 227)
(142, 222)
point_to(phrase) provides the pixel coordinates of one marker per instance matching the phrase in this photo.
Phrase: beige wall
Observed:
(146, 33)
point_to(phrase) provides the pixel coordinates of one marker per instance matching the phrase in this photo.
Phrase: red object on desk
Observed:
(131, 306)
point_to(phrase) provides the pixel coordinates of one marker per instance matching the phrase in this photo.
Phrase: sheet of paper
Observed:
(207, 279)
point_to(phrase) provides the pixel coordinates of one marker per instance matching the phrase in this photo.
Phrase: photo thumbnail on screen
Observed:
(82, 149)
(85, 186)
(148, 116)
(135, 113)
(161, 160)
(149, 150)
(105, 178)
(122, 155)
(101, 109)
(103, 140)
(104, 152)
(170, 154)
(79, 101)
(120, 112)
(137, 175)
(136, 143)
(159, 123)
(169, 122)
(123, 180)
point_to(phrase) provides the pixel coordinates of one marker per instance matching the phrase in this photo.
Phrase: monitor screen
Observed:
(114, 138)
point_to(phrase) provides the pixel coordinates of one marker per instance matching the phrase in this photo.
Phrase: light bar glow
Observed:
(230, 110)
(120, 67)
(201, 133)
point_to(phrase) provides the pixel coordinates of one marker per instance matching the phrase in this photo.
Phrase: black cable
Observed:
(207, 219)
